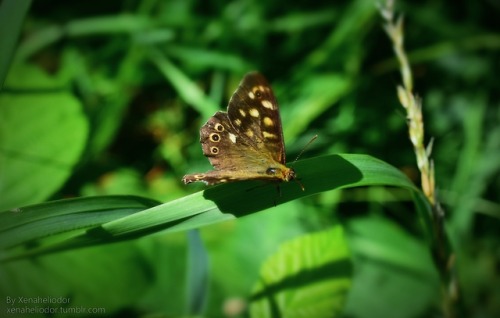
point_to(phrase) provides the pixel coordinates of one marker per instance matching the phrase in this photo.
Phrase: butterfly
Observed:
(246, 142)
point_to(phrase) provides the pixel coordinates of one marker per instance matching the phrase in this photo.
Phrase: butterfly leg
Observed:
(278, 189)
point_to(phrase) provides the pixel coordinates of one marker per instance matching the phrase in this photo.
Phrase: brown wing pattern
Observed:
(226, 149)
(253, 112)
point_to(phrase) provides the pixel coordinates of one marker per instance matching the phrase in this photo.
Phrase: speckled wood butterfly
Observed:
(246, 142)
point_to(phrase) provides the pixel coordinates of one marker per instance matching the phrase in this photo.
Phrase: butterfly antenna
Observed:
(305, 147)
(300, 184)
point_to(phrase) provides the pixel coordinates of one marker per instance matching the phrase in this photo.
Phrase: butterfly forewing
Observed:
(254, 113)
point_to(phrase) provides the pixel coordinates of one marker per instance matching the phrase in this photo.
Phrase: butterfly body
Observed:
(246, 142)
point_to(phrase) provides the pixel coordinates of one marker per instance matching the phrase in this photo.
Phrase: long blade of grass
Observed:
(220, 203)
(24, 225)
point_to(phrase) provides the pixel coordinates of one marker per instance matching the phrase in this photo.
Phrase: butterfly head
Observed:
(282, 173)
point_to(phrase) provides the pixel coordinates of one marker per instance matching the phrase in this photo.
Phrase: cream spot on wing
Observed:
(219, 127)
(251, 95)
(268, 135)
(215, 137)
(268, 121)
(257, 91)
(254, 112)
(267, 104)
(242, 112)
(237, 122)
(249, 133)
(232, 137)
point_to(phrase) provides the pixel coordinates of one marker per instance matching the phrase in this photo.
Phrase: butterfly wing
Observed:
(226, 149)
(233, 157)
(253, 111)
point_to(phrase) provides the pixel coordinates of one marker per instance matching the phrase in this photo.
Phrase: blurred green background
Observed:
(107, 97)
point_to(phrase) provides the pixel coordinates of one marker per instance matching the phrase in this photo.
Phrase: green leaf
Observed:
(100, 25)
(198, 273)
(388, 261)
(12, 14)
(308, 277)
(202, 58)
(226, 202)
(316, 95)
(42, 135)
(185, 87)
(22, 225)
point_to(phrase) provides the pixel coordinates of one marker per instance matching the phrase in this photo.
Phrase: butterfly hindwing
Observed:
(222, 145)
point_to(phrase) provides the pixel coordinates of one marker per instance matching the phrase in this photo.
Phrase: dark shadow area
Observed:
(316, 174)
